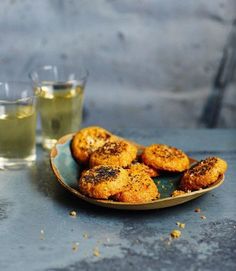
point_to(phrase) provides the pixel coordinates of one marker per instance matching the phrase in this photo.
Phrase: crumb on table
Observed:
(203, 217)
(73, 213)
(197, 210)
(75, 246)
(175, 234)
(180, 225)
(85, 235)
(96, 252)
(42, 236)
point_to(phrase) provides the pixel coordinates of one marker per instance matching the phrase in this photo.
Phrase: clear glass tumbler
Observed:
(17, 124)
(59, 94)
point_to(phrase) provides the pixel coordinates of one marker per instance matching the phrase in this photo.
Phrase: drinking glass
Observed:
(59, 93)
(17, 124)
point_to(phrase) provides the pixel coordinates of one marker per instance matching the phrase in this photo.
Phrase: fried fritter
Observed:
(164, 157)
(203, 174)
(88, 140)
(116, 153)
(102, 182)
(141, 188)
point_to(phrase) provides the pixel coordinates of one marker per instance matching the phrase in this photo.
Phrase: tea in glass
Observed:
(17, 125)
(59, 102)
(60, 107)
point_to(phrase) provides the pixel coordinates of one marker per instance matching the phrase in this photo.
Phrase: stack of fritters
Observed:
(114, 170)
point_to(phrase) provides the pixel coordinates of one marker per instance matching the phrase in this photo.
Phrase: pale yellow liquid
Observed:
(60, 107)
(17, 132)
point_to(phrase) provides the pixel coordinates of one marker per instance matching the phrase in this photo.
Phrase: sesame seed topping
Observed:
(100, 174)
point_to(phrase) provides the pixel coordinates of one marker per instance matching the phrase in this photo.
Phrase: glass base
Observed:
(17, 163)
(48, 143)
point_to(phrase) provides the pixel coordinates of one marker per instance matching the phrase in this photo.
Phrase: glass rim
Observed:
(15, 82)
(50, 83)
(13, 101)
(17, 100)
(84, 72)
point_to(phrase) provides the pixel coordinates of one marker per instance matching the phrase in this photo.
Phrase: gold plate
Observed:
(66, 170)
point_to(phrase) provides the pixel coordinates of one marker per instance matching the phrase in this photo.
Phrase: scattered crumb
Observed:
(96, 252)
(180, 225)
(75, 246)
(168, 241)
(42, 237)
(203, 217)
(73, 213)
(175, 234)
(197, 210)
(85, 235)
(177, 193)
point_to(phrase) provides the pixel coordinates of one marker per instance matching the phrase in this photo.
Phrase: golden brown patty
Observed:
(101, 182)
(140, 167)
(141, 188)
(203, 174)
(87, 140)
(117, 153)
(163, 157)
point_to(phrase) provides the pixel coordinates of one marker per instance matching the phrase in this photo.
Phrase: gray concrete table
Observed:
(37, 232)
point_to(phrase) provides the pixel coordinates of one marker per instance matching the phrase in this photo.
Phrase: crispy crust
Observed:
(141, 188)
(88, 140)
(177, 193)
(102, 182)
(140, 167)
(116, 153)
(164, 157)
(203, 174)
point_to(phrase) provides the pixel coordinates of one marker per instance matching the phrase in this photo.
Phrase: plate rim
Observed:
(194, 194)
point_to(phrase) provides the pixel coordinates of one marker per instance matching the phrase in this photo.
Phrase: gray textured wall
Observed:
(151, 63)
